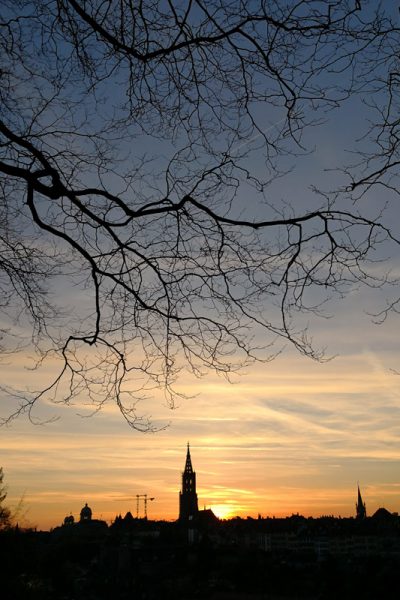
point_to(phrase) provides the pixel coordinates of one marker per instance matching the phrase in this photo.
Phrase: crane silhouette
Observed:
(145, 500)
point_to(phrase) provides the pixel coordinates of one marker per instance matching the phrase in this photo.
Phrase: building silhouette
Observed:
(361, 510)
(86, 513)
(188, 504)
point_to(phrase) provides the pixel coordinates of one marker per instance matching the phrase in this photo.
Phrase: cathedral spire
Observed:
(188, 465)
(188, 506)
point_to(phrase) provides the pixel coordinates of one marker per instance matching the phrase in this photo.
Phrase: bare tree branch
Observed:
(127, 134)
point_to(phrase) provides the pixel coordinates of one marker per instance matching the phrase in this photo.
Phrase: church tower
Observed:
(188, 507)
(361, 511)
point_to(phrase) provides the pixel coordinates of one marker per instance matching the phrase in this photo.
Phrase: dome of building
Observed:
(86, 513)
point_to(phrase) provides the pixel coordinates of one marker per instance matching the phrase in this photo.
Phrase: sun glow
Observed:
(224, 511)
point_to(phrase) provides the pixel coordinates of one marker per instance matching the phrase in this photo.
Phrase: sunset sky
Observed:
(287, 436)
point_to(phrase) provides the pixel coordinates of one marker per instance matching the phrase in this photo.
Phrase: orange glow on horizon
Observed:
(293, 439)
(224, 511)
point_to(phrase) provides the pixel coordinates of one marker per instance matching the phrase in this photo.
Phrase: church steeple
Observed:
(188, 506)
(188, 465)
(361, 511)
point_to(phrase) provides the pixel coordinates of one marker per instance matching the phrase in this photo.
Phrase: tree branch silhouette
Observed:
(126, 134)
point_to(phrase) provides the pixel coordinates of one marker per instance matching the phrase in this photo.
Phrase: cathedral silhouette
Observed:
(188, 505)
(189, 512)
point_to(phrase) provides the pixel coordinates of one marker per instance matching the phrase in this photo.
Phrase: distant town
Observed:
(200, 556)
(195, 519)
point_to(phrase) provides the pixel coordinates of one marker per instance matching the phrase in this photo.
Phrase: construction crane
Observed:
(145, 500)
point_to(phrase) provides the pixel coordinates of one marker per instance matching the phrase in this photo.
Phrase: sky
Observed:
(288, 436)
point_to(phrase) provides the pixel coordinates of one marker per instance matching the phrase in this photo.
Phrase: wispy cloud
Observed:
(288, 436)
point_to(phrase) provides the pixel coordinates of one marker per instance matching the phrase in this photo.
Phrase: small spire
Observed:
(361, 511)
